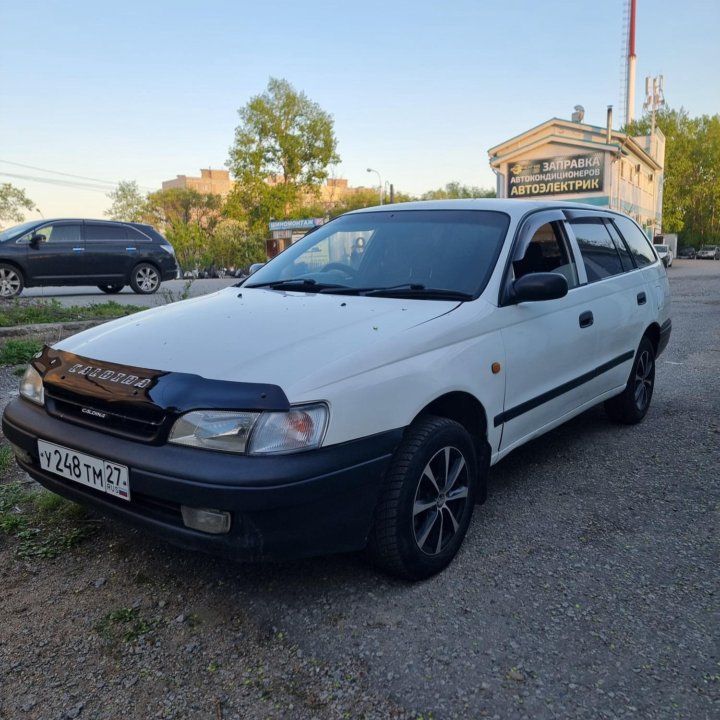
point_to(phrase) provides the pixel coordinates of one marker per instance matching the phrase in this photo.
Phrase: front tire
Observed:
(11, 281)
(631, 406)
(145, 279)
(425, 507)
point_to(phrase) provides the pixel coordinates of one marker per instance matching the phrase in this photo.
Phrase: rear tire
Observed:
(145, 279)
(11, 281)
(111, 289)
(426, 504)
(631, 406)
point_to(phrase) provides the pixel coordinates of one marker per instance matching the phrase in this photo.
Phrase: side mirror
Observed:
(35, 240)
(534, 287)
(254, 268)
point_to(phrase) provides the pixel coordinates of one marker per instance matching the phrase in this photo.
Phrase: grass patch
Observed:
(19, 352)
(20, 311)
(44, 524)
(6, 460)
(126, 625)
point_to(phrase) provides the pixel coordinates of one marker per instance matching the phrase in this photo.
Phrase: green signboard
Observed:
(556, 176)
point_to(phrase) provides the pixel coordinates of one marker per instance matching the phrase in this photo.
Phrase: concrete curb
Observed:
(47, 332)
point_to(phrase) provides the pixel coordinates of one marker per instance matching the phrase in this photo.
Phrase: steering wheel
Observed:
(341, 267)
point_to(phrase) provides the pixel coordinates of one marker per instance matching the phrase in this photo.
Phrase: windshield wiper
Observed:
(419, 292)
(301, 284)
(409, 290)
(343, 290)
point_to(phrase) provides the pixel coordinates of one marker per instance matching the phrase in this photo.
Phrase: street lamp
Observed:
(379, 183)
(37, 210)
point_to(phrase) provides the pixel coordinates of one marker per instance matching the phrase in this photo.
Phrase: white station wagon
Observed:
(354, 391)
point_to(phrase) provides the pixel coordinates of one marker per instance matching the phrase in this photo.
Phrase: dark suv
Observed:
(84, 252)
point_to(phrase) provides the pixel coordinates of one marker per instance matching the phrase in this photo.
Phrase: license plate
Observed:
(103, 475)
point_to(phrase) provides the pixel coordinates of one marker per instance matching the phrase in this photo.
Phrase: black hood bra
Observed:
(172, 391)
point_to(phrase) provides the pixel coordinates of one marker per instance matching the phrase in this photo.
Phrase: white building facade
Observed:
(563, 159)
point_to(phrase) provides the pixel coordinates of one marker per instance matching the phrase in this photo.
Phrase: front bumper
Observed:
(313, 503)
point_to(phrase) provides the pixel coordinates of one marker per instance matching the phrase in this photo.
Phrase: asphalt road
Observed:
(168, 292)
(587, 586)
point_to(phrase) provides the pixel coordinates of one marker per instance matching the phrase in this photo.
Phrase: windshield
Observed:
(16, 230)
(410, 253)
(661, 248)
(708, 247)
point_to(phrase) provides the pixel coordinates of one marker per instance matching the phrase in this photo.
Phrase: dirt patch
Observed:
(124, 626)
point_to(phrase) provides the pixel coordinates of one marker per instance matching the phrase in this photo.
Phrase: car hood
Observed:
(264, 336)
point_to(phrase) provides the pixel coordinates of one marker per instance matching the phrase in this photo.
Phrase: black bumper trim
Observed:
(318, 502)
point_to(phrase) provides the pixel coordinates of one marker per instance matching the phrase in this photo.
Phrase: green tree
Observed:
(233, 247)
(283, 147)
(191, 244)
(12, 203)
(183, 205)
(456, 191)
(128, 202)
(691, 188)
(360, 198)
(188, 219)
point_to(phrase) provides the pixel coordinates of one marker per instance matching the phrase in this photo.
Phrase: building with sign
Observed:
(569, 159)
(286, 232)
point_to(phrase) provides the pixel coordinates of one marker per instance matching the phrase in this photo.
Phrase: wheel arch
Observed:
(466, 410)
(653, 334)
(144, 261)
(463, 408)
(19, 270)
(16, 266)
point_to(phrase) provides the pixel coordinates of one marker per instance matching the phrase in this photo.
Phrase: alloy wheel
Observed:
(10, 282)
(440, 500)
(147, 279)
(644, 378)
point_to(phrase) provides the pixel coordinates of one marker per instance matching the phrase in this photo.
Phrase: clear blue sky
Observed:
(418, 89)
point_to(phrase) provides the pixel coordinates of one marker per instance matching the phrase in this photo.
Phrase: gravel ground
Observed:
(586, 588)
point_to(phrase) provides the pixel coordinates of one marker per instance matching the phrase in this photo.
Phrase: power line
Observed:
(57, 181)
(57, 172)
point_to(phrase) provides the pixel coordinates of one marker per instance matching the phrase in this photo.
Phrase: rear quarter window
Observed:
(106, 233)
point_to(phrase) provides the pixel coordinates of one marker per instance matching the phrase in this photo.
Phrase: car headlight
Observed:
(31, 386)
(300, 428)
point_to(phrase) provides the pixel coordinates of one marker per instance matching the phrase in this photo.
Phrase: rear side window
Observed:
(136, 236)
(635, 238)
(105, 232)
(621, 247)
(599, 254)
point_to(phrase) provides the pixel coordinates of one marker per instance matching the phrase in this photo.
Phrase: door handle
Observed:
(641, 298)
(78, 249)
(586, 319)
